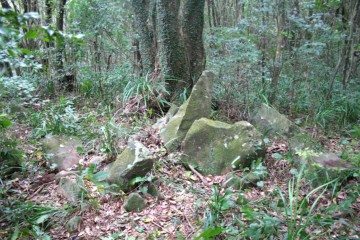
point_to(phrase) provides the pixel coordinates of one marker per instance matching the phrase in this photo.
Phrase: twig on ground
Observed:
(199, 175)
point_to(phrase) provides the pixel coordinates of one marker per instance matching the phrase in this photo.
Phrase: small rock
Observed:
(273, 123)
(69, 189)
(97, 160)
(73, 224)
(63, 151)
(152, 190)
(134, 203)
(134, 161)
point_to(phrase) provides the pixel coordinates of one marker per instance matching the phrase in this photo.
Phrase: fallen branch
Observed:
(199, 175)
(37, 191)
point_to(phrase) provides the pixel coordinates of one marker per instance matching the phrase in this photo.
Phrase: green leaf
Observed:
(5, 123)
(277, 156)
(209, 233)
(16, 233)
(144, 189)
(42, 218)
(25, 51)
(31, 35)
(294, 171)
(100, 176)
(260, 184)
(80, 150)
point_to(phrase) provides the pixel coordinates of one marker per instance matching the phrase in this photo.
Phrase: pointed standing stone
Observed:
(197, 106)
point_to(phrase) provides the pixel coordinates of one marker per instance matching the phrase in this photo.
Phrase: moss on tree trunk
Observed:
(171, 47)
(193, 24)
(146, 38)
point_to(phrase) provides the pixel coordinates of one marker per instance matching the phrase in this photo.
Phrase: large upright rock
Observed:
(134, 161)
(62, 151)
(218, 147)
(197, 106)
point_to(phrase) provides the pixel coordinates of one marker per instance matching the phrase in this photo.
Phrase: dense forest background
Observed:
(102, 70)
(301, 56)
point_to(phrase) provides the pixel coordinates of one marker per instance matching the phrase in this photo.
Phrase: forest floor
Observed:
(186, 205)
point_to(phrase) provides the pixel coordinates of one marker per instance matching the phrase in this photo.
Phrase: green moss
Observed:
(197, 106)
(216, 147)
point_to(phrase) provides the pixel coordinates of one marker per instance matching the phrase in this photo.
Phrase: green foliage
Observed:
(98, 179)
(10, 155)
(57, 119)
(110, 137)
(219, 202)
(210, 233)
(28, 219)
(295, 209)
(19, 28)
(243, 57)
(103, 85)
(147, 93)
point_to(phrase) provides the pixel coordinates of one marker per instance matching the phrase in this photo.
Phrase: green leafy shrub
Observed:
(57, 119)
(10, 155)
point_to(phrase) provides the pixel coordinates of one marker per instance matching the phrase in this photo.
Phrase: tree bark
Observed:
(209, 12)
(5, 4)
(278, 54)
(5, 67)
(146, 37)
(349, 46)
(171, 48)
(193, 24)
(48, 10)
(61, 47)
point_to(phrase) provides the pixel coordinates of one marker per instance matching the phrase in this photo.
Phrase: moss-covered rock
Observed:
(134, 161)
(274, 124)
(197, 106)
(161, 122)
(73, 224)
(62, 151)
(321, 167)
(134, 203)
(320, 164)
(69, 188)
(216, 147)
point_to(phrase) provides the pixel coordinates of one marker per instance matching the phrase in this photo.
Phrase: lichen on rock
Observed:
(197, 106)
(134, 161)
(216, 147)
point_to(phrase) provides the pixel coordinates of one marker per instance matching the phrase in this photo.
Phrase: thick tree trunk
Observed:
(142, 10)
(193, 24)
(5, 4)
(171, 48)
